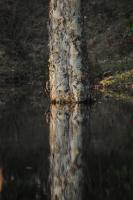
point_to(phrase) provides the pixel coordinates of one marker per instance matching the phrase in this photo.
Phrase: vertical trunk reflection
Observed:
(1, 179)
(67, 127)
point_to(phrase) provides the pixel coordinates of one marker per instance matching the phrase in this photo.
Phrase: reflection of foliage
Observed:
(117, 95)
(21, 149)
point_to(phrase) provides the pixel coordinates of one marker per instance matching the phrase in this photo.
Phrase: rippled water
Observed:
(64, 152)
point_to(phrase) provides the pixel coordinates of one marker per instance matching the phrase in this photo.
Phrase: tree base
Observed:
(72, 101)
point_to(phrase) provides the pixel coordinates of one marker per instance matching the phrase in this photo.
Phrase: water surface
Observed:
(64, 152)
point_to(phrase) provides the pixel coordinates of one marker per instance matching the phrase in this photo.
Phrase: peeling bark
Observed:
(68, 75)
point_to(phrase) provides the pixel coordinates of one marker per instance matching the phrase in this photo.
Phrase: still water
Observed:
(64, 152)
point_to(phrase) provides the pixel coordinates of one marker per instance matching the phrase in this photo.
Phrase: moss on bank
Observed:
(116, 80)
(121, 81)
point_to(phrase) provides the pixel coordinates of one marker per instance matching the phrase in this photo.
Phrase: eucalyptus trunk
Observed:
(68, 73)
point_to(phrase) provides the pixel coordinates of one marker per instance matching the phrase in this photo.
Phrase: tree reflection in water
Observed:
(68, 125)
(1, 179)
(91, 150)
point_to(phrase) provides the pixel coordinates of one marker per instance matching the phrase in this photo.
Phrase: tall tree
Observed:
(68, 73)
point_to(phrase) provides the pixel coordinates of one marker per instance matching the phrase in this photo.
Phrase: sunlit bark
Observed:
(66, 145)
(68, 74)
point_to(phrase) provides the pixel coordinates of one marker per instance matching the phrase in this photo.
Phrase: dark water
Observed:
(65, 153)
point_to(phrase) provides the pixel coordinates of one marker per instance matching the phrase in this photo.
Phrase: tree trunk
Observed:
(68, 74)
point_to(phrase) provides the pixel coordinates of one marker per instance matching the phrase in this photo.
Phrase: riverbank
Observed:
(116, 77)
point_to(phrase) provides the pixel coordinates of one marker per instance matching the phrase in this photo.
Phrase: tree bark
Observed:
(68, 74)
